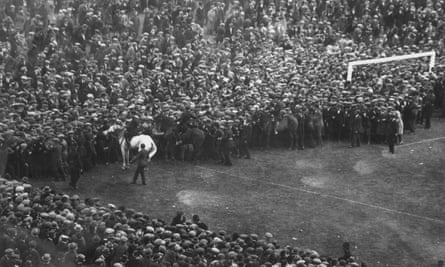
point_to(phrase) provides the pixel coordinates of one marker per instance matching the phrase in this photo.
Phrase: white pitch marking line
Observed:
(330, 196)
(422, 141)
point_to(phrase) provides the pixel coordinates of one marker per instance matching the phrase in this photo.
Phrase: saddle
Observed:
(130, 133)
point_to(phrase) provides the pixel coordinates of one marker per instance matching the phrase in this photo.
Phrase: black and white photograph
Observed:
(222, 133)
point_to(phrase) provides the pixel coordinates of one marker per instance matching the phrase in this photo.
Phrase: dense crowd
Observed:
(43, 228)
(71, 69)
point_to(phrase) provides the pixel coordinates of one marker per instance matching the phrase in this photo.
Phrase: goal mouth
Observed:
(352, 64)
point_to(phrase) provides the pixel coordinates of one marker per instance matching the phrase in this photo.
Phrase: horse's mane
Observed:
(114, 128)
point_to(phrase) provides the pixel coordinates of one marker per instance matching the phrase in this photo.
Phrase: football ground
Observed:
(391, 208)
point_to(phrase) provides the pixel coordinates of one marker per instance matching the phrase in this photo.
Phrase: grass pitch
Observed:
(391, 208)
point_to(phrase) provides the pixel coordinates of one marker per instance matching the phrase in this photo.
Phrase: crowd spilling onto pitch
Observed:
(71, 69)
(44, 228)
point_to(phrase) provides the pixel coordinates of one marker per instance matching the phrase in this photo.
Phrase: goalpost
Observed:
(352, 64)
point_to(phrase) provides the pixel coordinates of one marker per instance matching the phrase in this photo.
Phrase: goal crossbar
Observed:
(352, 64)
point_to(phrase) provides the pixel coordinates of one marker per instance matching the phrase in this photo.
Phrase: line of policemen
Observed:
(379, 122)
(68, 155)
(61, 157)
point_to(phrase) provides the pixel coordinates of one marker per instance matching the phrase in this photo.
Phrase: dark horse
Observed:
(314, 127)
(173, 135)
(263, 124)
(317, 120)
(195, 137)
(289, 124)
(168, 127)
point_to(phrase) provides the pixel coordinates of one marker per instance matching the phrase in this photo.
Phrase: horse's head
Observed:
(113, 129)
(281, 121)
(183, 137)
(266, 120)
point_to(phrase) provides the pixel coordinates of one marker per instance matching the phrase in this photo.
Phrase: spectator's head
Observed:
(9, 252)
(80, 259)
(72, 246)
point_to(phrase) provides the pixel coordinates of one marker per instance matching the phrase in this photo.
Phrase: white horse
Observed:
(135, 142)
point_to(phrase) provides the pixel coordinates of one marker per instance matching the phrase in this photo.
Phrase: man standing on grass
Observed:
(142, 159)
(428, 108)
(227, 144)
(356, 128)
(392, 131)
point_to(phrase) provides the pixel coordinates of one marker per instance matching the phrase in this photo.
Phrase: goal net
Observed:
(351, 65)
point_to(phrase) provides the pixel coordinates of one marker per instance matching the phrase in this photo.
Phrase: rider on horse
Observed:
(277, 108)
(186, 119)
(132, 128)
(147, 126)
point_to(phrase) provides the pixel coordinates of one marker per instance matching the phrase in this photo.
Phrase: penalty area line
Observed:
(388, 210)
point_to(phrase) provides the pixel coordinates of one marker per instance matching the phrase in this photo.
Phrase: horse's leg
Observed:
(316, 136)
(291, 139)
(294, 139)
(123, 153)
(172, 150)
(123, 157)
(127, 157)
(368, 136)
(200, 151)
(306, 136)
(262, 140)
(196, 153)
(336, 131)
(238, 150)
(166, 151)
(182, 153)
(312, 137)
(256, 136)
(319, 137)
(190, 153)
(259, 139)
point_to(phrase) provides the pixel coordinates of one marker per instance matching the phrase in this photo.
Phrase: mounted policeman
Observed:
(187, 118)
